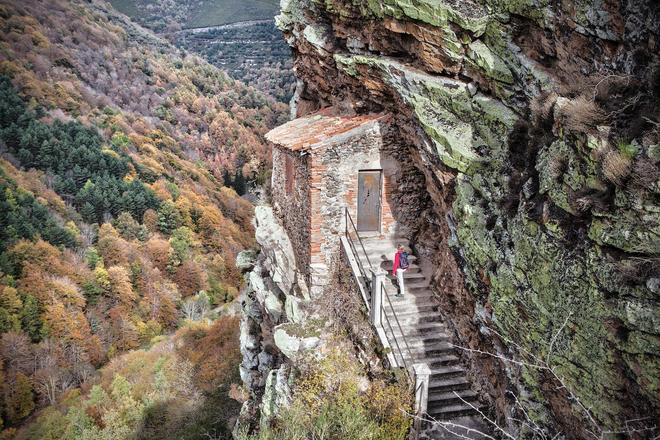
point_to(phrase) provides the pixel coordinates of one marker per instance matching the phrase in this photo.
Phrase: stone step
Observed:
(407, 275)
(378, 258)
(452, 384)
(384, 244)
(449, 397)
(387, 265)
(432, 349)
(404, 310)
(422, 283)
(394, 241)
(424, 304)
(444, 412)
(416, 341)
(447, 371)
(438, 359)
(469, 427)
(414, 286)
(413, 318)
(422, 339)
(413, 294)
(413, 290)
(382, 255)
(408, 303)
(425, 327)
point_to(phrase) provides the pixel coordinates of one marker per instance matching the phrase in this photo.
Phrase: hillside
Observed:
(238, 37)
(159, 15)
(117, 225)
(253, 52)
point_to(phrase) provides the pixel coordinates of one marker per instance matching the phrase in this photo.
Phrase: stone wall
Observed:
(326, 183)
(334, 180)
(294, 209)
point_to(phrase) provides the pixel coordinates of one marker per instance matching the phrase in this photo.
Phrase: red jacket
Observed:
(396, 262)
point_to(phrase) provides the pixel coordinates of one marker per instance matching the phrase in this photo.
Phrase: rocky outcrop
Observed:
(533, 129)
(277, 326)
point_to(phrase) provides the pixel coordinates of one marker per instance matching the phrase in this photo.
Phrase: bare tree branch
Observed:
(554, 338)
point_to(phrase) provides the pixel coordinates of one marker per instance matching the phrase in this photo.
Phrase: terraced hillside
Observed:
(238, 37)
(253, 52)
(158, 15)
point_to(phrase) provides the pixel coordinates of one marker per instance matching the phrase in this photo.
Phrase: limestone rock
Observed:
(246, 259)
(279, 257)
(295, 339)
(294, 309)
(273, 306)
(492, 65)
(277, 393)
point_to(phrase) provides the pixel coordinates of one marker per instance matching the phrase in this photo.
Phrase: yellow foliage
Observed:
(9, 68)
(108, 151)
(160, 188)
(39, 39)
(184, 207)
(66, 291)
(120, 285)
(101, 276)
(9, 299)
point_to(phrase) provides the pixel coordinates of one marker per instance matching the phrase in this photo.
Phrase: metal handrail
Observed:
(418, 402)
(357, 234)
(398, 324)
(365, 277)
(396, 342)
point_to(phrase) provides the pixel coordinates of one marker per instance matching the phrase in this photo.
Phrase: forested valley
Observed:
(122, 165)
(238, 37)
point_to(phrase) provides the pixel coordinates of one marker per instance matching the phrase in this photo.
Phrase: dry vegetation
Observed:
(580, 114)
(615, 166)
(645, 174)
(541, 107)
(332, 399)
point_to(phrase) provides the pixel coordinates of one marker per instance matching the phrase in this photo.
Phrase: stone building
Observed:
(324, 165)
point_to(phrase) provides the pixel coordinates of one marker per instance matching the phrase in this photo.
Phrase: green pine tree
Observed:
(168, 217)
(31, 318)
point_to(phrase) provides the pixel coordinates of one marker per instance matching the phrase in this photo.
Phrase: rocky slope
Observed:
(531, 134)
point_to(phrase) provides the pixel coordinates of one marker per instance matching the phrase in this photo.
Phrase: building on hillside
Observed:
(324, 165)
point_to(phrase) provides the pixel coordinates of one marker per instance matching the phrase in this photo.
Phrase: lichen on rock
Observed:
(533, 126)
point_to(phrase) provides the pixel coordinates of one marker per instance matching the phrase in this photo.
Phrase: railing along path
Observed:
(402, 355)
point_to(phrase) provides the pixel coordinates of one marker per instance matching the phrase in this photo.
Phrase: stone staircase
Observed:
(428, 339)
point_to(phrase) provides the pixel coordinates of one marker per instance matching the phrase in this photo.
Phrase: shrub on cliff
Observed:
(334, 399)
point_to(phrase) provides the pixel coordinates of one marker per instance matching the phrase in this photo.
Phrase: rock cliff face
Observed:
(272, 306)
(529, 132)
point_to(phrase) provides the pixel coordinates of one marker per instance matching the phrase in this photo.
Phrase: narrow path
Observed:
(234, 25)
(429, 341)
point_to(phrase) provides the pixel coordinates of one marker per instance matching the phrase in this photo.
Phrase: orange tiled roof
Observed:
(304, 133)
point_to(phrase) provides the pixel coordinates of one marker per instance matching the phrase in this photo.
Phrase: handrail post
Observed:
(377, 278)
(422, 375)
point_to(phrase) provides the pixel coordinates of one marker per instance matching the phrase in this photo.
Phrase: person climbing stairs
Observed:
(429, 340)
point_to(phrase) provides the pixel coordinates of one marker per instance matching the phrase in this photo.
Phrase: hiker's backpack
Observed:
(403, 260)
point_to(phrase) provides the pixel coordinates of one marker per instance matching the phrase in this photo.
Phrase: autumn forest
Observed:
(127, 170)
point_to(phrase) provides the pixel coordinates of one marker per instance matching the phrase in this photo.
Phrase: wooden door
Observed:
(368, 209)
